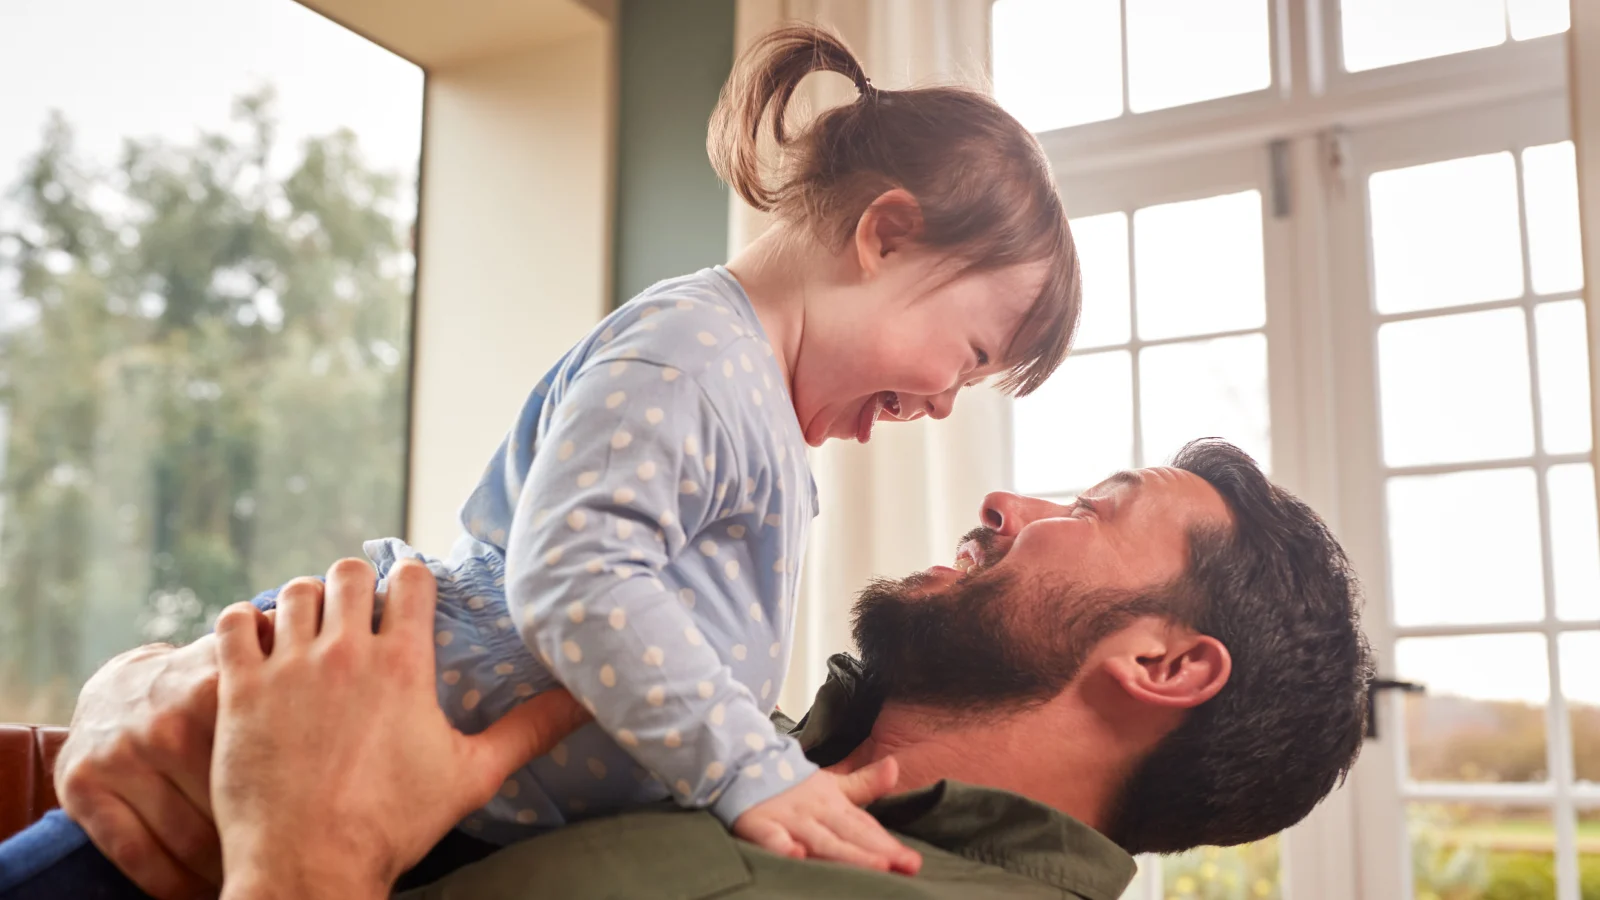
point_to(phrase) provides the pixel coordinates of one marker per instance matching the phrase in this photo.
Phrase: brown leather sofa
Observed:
(27, 758)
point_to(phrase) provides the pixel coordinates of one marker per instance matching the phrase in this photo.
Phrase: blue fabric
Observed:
(640, 528)
(54, 860)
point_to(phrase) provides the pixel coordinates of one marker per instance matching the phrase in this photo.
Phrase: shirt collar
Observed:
(991, 826)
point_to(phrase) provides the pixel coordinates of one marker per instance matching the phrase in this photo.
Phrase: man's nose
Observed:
(1003, 512)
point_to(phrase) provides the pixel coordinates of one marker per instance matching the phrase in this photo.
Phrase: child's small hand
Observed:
(821, 818)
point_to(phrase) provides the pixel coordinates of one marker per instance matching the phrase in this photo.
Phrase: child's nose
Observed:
(941, 405)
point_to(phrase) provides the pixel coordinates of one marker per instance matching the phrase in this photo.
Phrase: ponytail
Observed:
(758, 91)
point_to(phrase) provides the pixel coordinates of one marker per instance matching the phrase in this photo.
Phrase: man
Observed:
(1173, 660)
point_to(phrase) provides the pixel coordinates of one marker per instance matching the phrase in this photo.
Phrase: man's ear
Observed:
(886, 226)
(1165, 664)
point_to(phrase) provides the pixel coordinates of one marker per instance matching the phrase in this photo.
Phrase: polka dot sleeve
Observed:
(625, 489)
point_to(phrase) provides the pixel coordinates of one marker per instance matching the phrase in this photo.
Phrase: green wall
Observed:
(672, 213)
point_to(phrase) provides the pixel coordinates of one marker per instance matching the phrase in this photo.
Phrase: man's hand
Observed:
(821, 818)
(335, 769)
(135, 769)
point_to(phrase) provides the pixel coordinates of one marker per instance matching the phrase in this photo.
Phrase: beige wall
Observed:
(514, 252)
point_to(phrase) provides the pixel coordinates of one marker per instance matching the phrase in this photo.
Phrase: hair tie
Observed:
(865, 86)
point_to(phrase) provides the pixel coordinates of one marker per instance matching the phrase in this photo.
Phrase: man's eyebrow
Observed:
(1126, 476)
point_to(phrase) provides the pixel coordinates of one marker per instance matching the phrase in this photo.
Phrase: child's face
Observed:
(900, 344)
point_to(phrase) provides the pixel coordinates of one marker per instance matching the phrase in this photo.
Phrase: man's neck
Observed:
(1070, 762)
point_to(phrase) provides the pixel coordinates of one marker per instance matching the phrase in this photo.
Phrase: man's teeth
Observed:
(965, 563)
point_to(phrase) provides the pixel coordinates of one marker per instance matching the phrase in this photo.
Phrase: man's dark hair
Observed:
(1278, 592)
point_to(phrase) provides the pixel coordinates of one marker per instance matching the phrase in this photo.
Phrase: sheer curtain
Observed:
(900, 503)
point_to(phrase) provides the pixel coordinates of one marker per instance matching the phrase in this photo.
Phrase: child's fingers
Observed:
(822, 843)
(868, 783)
(862, 830)
(773, 838)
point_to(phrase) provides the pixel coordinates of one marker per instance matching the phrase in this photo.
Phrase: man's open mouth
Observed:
(969, 557)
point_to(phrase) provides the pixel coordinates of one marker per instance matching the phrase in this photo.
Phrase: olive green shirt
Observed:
(975, 842)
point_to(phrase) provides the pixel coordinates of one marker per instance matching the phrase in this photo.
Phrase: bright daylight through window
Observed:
(205, 302)
(1267, 244)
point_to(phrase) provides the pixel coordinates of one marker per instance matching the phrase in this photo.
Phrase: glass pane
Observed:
(1221, 873)
(1180, 51)
(1580, 683)
(1589, 854)
(1215, 388)
(1574, 541)
(1563, 349)
(1198, 266)
(1474, 852)
(1455, 388)
(1386, 32)
(1058, 64)
(1103, 253)
(1078, 427)
(1490, 517)
(1531, 19)
(1482, 718)
(1550, 188)
(206, 352)
(1428, 221)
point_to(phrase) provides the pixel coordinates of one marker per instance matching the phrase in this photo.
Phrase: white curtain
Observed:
(900, 503)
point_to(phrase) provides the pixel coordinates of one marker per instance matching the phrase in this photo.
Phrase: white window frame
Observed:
(1114, 164)
(1381, 785)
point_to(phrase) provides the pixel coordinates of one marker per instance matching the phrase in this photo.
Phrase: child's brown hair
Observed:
(983, 184)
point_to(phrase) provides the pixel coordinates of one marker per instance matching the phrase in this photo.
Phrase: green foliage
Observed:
(1246, 872)
(203, 367)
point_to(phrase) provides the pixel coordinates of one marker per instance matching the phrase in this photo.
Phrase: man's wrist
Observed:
(298, 872)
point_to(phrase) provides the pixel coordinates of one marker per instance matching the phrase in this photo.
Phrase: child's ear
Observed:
(891, 222)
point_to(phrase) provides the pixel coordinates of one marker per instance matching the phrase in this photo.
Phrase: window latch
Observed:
(1377, 685)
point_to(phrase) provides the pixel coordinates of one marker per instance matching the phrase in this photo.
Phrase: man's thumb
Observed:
(530, 730)
(868, 783)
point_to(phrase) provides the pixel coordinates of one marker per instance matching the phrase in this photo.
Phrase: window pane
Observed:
(1563, 350)
(1246, 871)
(1589, 852)
(1103, 253)
(1428, 220)
(205, 349)
(1455, 388)
(1215, 388)
(1536, 18)
(1198, 266)
(1386, 32)
(1470, 852)
(1490, 517)
(1078, 427)
(1482, 718)
(1550, 187)
(1574, 541)
(1580, 684)
(1058, 64)
(1180, 51)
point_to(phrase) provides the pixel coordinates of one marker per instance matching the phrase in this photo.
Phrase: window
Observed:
(205, 300)
(1060, 64)
(1379, 33)
(1310, 232)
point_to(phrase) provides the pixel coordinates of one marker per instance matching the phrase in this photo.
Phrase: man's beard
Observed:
(991, 639)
